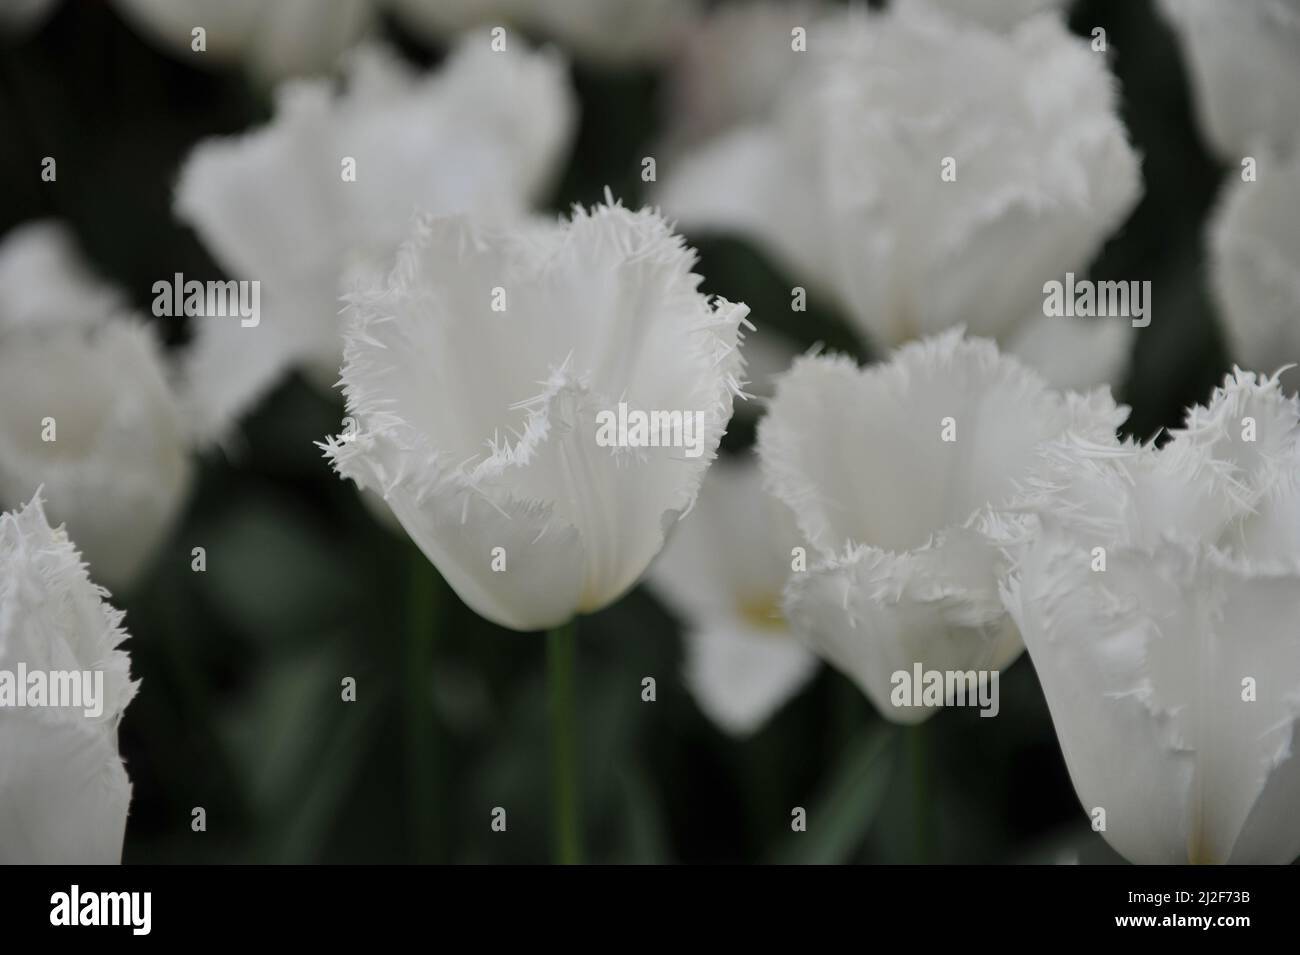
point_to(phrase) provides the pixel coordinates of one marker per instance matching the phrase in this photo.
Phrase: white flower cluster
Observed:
(926, 169)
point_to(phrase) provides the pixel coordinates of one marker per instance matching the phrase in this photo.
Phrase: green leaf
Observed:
(839, 819)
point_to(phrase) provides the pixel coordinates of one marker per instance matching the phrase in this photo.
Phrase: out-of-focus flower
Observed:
(85, 407)
(1255, 265)
(1244, 61)
(483, 135)
(481, 376)
(21, 15)
(273, 40)
(604, 32)
(63, 789)
(997, 14)
(1158, 598)
(724, 569)
(45, 283)
(900, 476)
(733, 65)
(926, 173)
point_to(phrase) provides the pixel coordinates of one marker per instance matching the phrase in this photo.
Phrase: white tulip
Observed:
(925, 173)
(603, 32)
(1158, 599)
(63, 789)
(1255, 265)
(484, 135)
(479, 374)
(274, 40)
(1244, 61)
(733, 65)
(901, 476)
(85, 407)
(723, 570)
(44, 281)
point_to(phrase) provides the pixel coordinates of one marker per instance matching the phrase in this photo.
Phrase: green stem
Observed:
(921, 807)
(561, 655)
(421, 739)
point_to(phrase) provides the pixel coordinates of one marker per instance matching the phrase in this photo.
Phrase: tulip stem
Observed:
(561, 655)
(921, 807)
(421, 737)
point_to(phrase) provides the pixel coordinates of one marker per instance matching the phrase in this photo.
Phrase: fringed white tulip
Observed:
(723, 570)
(733, 65)
(1244, 62)
(45, 282)
(328, 189)
(86, 408)
(477, 375)
(1255, 265)
(64, 791)
(273, 40)
(482, 376)
(900, 475)
(1158, 596)
(925, 173)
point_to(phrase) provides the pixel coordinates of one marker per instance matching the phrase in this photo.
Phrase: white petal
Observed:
(118, 470)
(63, 789)
(63, 793)
(1043, 171)
(1255, 265)
(482, 135)
(732, 67)
(44, 282)
(740, 674)
(1244, 61)
(739, 184)
(1158, 601)
(859, 454)
(908, 522)
(872, 613)
(1143, 666)
(723, 571)
(598, 311)
(1074, 352)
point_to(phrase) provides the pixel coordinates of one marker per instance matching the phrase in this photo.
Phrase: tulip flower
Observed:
(64, 791)
(483, 376)
(921, 173)
(44, 281)
(273, 40)
(1158, 598)
(329, 187)
(476, 375)
(724, 570)
(1244, 63)
(901, 476)
(86, 409)
(733, 64)
(1255, 264)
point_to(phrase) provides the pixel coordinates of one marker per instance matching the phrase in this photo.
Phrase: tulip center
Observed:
(763, 612)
